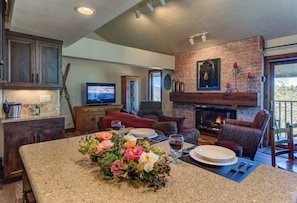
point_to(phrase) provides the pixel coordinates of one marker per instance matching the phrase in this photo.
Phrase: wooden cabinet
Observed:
(87, 117)
(17, 134)
(130, 95)
(33, 62)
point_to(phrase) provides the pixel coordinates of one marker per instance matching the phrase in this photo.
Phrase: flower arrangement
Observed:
(127, 158)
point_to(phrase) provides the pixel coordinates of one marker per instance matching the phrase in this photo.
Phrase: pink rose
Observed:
(133, 153)
(106, 144)
(115, 167)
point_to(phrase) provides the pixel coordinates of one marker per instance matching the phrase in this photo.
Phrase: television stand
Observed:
(99, 104)
(87, 117)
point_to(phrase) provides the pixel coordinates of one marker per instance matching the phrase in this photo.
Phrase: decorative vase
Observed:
(177, 86)
(182, 87)
(173, 85)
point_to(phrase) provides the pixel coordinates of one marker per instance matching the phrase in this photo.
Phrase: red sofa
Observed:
(191, 135)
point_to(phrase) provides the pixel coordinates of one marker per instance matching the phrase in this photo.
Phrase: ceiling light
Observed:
(85, 10)
(191, 40)
(150, 6)
(203, 37)
(162, 2)
(137, 13)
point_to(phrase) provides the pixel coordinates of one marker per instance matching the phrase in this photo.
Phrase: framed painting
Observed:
(208, 74)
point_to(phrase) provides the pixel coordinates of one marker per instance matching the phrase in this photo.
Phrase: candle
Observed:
(235, 64)
(249, 75)
(228, 85)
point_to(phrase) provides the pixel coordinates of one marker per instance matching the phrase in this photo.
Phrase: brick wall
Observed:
(247, 53)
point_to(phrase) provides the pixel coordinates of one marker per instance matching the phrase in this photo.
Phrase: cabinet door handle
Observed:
(37, 126)
(35, 137)
(32, 78)
(37, 78)
(1, 62)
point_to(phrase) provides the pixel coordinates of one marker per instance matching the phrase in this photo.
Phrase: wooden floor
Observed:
(12, 192)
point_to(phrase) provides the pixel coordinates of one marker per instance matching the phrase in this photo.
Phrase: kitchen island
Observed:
(59, 173)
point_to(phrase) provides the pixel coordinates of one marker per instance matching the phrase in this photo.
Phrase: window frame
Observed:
(150, 85)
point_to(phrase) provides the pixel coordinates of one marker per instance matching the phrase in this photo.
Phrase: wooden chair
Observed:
(294, 125)
(281, 140)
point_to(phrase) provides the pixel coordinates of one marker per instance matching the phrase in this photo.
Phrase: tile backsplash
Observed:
(49, 100)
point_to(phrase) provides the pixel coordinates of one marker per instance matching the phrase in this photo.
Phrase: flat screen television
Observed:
(100, 93)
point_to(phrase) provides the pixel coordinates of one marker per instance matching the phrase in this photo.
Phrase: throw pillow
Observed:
(179, 121)
(167, 128)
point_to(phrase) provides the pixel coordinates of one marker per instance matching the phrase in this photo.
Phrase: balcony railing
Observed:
(285, 112)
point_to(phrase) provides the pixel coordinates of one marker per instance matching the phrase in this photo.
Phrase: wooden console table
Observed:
(87, 117)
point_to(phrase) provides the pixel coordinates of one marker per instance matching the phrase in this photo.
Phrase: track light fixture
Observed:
(149, 5)
(162, 2)
(137, 13)
(191, 40)
(203, 37)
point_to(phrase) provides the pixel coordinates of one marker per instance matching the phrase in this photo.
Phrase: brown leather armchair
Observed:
(244, 137)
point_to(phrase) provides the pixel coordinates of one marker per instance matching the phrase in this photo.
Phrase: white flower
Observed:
(148, 160)
(130, 138)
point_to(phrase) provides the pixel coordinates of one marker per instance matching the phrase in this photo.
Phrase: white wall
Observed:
(107, 52)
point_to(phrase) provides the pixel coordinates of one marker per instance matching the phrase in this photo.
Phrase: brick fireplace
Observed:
(202, 109)
(209, 118)
(247, 53)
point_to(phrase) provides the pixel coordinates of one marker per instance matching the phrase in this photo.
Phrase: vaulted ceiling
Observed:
(165, 30)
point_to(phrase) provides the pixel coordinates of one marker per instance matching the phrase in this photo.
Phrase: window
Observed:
(155, 87)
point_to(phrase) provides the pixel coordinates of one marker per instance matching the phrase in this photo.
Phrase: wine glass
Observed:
(176, 142)
(116, 125)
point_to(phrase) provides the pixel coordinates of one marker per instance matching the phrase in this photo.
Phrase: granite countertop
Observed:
(59, 173)
(30, 118)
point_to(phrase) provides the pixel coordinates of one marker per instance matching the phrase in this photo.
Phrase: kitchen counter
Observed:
(30, 118)
(59, 173)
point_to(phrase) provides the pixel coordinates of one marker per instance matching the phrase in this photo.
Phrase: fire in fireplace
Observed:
(209, 118)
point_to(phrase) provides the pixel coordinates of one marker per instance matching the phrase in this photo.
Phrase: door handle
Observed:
(37, 126)
(35, 137)
(271, 106)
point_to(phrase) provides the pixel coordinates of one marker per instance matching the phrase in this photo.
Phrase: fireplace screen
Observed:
(209, 118)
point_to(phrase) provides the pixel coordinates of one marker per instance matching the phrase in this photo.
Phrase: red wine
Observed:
(175, 144)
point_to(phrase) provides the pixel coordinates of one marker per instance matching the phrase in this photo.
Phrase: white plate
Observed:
(142, 132)
(214, 153)
(148, 136)
(193, 156)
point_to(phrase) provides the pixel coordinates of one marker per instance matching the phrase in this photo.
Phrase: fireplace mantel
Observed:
(221, 98)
